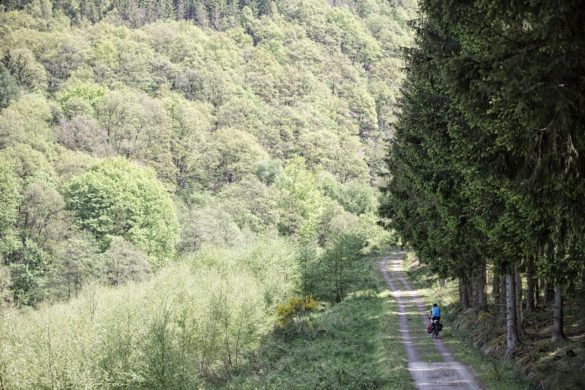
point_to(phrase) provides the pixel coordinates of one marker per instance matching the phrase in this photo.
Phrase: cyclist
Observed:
(435, 317)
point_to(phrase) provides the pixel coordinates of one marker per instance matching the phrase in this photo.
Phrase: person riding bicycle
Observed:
(435, 316)
(435, 312)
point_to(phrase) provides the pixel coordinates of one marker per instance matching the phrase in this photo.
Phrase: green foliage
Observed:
(273, 261)
(376, 237)
(474, 159)
(189, 323)
(358, 198)
(80, 98)
(484, 165)
(233, 155)
(27, 121)
(117, 198)
(27, 246)
(208, 226)
(354, 344)
(5, 287)
(339, 262)
(301, 201)
(123, 262)
(309, 270)
(318, 105)
(9, 198)
(28, 165)
(77, 262)
(190, 122)
(42, 213)
(355, 197)
(8, 87)
(294, 309)
(137, 126)
(131, 128)
(24, 68)
(27, 262)
(251, 204)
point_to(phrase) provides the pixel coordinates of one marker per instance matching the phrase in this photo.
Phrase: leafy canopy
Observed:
(118, 198)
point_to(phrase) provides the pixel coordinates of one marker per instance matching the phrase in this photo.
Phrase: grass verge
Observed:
(351, 345)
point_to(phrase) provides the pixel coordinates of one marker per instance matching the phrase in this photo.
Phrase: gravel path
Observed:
(447, 374)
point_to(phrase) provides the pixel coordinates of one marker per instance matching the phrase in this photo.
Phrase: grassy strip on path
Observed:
(351, 345)
(417, 329)
(491, 373)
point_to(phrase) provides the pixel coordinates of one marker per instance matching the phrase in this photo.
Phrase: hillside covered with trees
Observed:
(488, 162)
(174, 173)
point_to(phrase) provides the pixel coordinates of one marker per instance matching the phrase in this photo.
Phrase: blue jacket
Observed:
(435, 311)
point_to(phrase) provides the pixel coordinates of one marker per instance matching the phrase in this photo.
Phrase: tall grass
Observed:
(192, 321)
(354, 344)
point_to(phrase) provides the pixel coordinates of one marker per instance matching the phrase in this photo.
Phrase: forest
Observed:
(178, 179)
(487, 162)
(194, 193)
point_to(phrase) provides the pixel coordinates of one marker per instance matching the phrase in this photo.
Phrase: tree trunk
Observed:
(511, 322)
(470, 292)
(548, 294)
(537, 300)
(518, 296)
(496, 288)
(480, 282)
(558, 333)
(463, 296)
(530, 286)
(503, 299)
(460, 289)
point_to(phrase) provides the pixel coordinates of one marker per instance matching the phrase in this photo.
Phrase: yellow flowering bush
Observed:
(295, 308)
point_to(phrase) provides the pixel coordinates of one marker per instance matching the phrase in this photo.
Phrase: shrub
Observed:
(295, 309)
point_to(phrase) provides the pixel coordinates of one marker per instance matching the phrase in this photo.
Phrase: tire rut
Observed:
(447, 374)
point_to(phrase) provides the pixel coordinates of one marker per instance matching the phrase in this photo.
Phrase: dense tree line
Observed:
(487, 163)
(217, 14)
(214, 13)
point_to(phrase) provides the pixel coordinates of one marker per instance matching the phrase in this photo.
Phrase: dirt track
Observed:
(446, 374)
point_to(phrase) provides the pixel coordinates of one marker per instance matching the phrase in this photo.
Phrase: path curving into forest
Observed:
(445, 374)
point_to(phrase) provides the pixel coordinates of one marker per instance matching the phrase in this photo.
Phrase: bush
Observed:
(294, 309)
